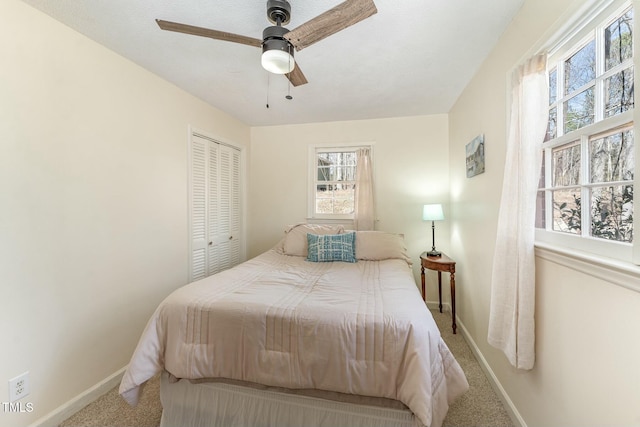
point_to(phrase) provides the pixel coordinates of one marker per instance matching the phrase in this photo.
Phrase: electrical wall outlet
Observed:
(19, 387)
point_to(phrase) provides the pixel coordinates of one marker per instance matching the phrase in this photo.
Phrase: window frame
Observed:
(312, 179)
(591, 23)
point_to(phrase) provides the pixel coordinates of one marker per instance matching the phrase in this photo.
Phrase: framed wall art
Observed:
(475, 156)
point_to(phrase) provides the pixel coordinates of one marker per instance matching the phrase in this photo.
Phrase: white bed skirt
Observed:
(225, 405)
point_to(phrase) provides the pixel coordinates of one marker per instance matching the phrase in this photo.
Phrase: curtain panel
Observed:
(511, 317)
(364, 215)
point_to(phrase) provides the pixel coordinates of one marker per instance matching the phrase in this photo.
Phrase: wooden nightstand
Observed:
(440, 264)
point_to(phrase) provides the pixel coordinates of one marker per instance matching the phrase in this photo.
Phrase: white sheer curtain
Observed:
(511, 318)
(364, 216)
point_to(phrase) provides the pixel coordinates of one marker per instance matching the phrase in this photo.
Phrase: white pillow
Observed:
(295, 239)
(379, 245)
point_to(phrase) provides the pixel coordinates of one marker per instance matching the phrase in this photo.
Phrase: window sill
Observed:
(617, 272)
(331, 221)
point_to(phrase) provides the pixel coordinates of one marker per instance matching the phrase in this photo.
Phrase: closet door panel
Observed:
(225, 208)
(213, 203)
(235, 217)
(199, 231)
(215, 207)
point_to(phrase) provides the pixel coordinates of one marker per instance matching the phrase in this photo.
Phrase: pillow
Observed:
(379, 245)
(295, 239)
(279, 247)
(332, 247)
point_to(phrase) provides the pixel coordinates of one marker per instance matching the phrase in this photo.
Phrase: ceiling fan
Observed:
(278, 43)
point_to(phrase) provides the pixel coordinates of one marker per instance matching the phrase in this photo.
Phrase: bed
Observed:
(287, 338)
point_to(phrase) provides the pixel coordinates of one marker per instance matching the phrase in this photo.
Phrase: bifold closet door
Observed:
(214, 207)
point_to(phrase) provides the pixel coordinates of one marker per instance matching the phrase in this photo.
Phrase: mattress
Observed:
(281, 321)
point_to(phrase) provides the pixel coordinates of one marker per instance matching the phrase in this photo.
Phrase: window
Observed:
(585, 196)
(333, 182)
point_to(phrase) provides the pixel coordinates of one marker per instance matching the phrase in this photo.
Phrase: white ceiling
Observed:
(414, 57)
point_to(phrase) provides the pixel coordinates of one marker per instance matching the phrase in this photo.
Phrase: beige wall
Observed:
(411, 169)
(586, 342)
(93, 218)
(93, 212)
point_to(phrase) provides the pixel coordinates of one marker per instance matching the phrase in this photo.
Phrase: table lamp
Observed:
(433, 213)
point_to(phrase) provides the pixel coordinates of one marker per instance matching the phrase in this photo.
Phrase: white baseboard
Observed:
(493, 380)
(63, 412)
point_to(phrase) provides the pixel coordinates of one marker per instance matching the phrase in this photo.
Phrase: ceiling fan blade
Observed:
(206, 32)
(296, 77)
(340, 17)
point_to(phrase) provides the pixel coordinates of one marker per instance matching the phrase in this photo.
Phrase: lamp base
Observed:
(434, 253)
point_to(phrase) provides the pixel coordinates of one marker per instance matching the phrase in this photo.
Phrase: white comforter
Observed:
(279, 320)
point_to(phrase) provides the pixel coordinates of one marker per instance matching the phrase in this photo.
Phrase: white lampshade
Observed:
(277, 61)
(432, 212)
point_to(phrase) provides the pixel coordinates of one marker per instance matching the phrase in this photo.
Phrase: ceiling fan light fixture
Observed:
(277, 52)
(277, 61)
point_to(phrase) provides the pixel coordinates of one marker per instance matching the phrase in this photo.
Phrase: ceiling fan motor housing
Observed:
(278, 11)
(273, 38)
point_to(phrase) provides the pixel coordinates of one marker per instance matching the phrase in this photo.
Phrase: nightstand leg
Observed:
(440, 291)
(453, 300)
(424, 295)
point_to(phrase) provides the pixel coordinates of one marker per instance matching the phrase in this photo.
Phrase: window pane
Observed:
(618, 40)
(323, 159)
(580, 69)
(566, 211)
(619, 93)
(612, 213)
(324, 206)
(331, 167)
(345, 173)
(330, 158)
(578, 111)
(349, 158)
(553, 86)
(541, 180)
(540, 210)
(566, 165)
(552, 131)
(343, 206)
(343, 199)
(335, 198)
(612, 157)
(540, 200)
(324, 174)
(324, 199)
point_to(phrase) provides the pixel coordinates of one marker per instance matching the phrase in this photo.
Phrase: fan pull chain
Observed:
(289, 97)
(268, 85)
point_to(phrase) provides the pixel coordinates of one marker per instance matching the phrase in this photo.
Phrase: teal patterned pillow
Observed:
(332, 247)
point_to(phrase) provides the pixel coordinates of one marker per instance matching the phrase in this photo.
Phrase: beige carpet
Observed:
(480, 406)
